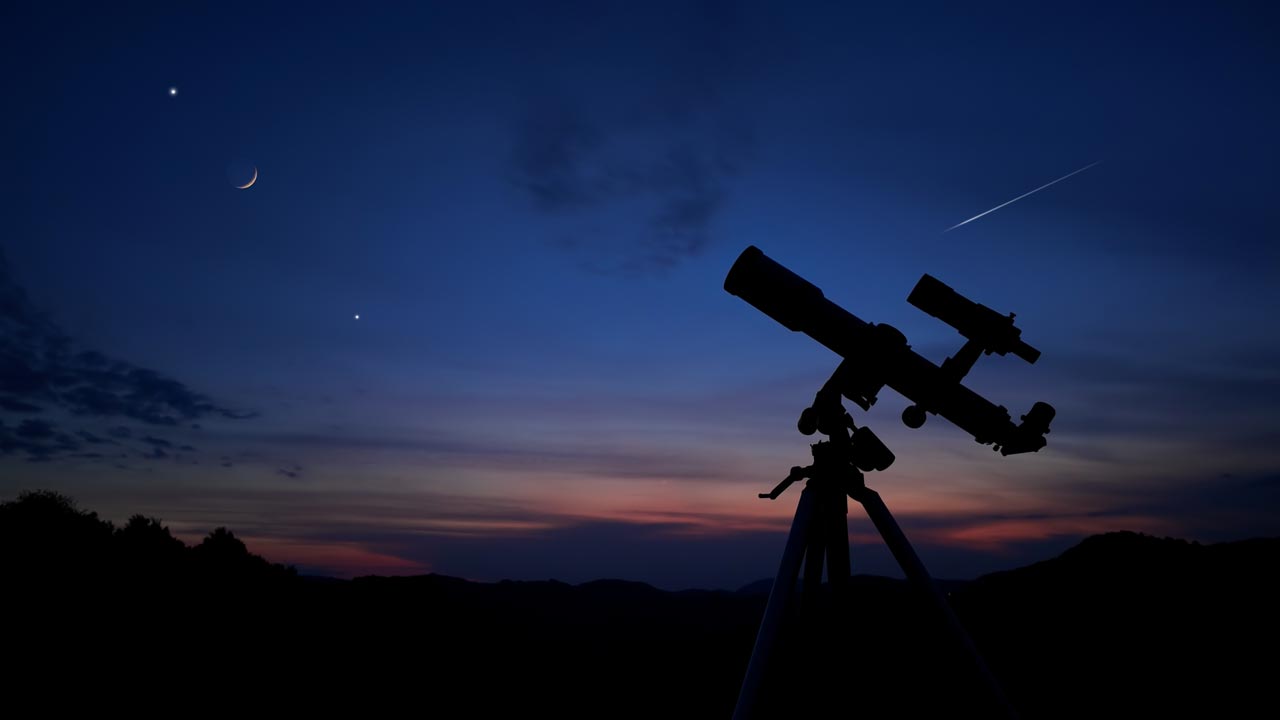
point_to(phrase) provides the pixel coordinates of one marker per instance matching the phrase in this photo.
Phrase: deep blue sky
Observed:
(532, 208)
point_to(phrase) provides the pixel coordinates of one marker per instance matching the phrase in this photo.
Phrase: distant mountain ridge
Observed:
(1115, 551)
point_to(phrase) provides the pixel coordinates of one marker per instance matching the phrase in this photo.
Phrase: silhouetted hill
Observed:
(1121, 625)
(860, 583)
(1131, 625)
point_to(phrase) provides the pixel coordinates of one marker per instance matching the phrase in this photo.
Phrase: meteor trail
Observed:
(1064, 177)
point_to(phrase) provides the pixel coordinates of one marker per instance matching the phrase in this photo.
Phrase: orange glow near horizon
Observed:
(973, 513)
(342, 559)
(998, 535)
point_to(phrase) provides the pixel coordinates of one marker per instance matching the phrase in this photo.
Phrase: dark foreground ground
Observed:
(1122, 625)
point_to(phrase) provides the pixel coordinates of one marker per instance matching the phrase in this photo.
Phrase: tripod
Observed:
(820, 532)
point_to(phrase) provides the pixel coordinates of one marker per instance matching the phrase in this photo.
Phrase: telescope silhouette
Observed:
(873, 356)
(876, 355)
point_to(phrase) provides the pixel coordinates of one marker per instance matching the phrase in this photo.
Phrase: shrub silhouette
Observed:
(45, 536)
(223, 557)
(147, 551)
(47, 543)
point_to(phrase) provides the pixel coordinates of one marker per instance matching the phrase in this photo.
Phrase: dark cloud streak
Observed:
(662, 152)
(447, 450)
(40, 364)
(672, 179)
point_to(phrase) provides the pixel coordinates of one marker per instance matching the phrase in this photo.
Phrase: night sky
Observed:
(532, 207)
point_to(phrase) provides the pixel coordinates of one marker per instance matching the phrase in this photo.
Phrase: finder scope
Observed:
(991, 330)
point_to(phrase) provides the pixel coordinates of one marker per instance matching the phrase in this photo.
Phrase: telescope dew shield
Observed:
(993, 331)
(797, 304)
(772, 289)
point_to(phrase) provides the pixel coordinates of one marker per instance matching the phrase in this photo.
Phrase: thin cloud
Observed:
(447, 450)
(667, 181)
(43, 369)
(633, 182)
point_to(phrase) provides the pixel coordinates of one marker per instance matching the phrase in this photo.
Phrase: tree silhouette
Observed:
(47, 543)
(223, 557)
(45, 536)
(147, 551)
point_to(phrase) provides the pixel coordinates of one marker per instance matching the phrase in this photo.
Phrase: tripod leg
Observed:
(838, 546)
(815, 553)
(919, 576)
(783, 586)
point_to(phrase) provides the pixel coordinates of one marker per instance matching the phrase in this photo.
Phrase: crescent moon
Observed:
(252, 180)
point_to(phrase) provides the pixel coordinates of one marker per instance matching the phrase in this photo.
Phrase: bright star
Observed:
(173, 91)
(357, 317)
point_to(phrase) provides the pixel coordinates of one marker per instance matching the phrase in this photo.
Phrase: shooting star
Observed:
(1055, 182)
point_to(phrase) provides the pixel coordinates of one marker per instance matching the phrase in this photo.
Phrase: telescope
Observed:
(876, 355)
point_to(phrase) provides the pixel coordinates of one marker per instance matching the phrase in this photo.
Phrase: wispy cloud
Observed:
(656, 188)
(43, 371)
(444, 450)
(634, 179)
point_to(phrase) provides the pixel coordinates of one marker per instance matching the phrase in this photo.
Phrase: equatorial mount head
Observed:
(827, 415)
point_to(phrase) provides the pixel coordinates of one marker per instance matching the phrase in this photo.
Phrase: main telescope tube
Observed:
(800, 306)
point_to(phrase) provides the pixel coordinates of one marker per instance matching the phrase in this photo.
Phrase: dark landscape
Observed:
(1121, 625)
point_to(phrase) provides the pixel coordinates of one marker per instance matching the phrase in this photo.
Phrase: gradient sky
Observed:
(532, 208)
